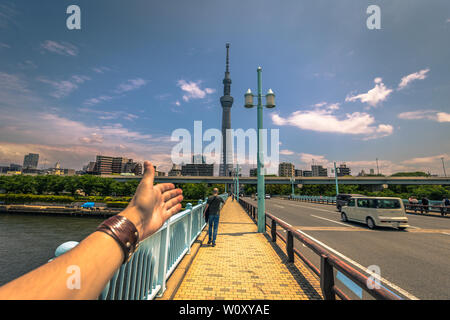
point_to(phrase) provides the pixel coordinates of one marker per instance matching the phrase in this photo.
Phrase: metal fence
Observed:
(144, 276)
(317, 199)
(328, 261)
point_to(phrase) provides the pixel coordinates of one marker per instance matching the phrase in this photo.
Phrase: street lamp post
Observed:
(270, 103)
(336, 179)
(292, 185)
(443, 166)
(237, 182)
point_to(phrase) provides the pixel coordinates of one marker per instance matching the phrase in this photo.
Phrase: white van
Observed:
(376, 212)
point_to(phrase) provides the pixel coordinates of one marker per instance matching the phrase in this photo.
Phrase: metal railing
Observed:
(328, 261)
(424, 209)
(316, 199)
(144, 276)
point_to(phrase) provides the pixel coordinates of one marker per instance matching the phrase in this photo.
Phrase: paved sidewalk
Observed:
(244, 266)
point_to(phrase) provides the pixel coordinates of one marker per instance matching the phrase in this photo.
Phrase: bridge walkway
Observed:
(245, 265)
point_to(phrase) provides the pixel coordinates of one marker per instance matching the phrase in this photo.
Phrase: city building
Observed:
(56, 170)
(133, 167)
(319, 171)
(69, 172)
(113, 165)
(197, 169)
(298, 173)
(175, 171)
(307, 173)
(286, 169)
(253, 172)
(30, 161)
(91, 168)
(15, 167)
(342, 170)
(226, 165)
(103, 165)
(11, 168)
(118, 164)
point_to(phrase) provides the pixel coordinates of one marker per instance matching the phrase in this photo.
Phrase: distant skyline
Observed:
(137, 71)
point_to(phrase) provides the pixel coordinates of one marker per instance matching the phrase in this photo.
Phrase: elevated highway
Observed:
(298, 180)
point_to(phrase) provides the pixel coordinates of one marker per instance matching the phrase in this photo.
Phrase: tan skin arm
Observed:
(98, 256)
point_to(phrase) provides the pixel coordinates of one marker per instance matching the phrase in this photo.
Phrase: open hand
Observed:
(152, 204)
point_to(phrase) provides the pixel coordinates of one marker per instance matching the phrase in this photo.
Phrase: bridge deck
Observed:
(244, 265)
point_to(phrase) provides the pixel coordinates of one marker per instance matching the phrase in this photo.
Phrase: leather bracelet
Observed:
(124, 232)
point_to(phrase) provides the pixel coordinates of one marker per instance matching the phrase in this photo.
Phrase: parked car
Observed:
(267, 196)
(342, 198)
(376, 212)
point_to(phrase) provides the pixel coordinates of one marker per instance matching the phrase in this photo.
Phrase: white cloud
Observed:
(286, 152)
(61, 48)
(321, 120)
(12, 83)
(374, 96)
(109, 115)
(92, 138)
(425, 114)
(309, 158)
(8, 14)
(422, 74)
(427, 160)
(64, 87)
(27, 65)
(101, 69)
(320, 104)
(193, 90)
(130, 85)
(74, 143)
(99, 99)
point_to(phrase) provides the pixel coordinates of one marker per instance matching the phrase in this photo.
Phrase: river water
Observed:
(28, 241)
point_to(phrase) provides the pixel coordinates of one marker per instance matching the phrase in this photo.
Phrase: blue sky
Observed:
(137, 70)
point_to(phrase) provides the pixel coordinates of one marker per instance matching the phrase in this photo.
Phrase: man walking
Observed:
(425, 202)
(213, 204)
(445, 205)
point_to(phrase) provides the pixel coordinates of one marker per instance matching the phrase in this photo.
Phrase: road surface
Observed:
(414, 263)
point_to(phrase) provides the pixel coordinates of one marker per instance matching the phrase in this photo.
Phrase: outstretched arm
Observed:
(98, 256)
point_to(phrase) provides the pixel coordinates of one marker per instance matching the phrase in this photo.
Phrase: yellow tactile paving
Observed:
(244, 266)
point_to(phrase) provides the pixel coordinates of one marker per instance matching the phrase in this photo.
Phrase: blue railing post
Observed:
(189, 233)
(163, 257)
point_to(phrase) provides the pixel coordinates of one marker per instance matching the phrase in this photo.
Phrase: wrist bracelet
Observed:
(124, 232)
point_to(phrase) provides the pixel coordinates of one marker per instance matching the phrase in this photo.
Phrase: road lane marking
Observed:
(306, 228)
(313, 208)
(344, 224)
(397, 288)
(277, 205)
(290, 225)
